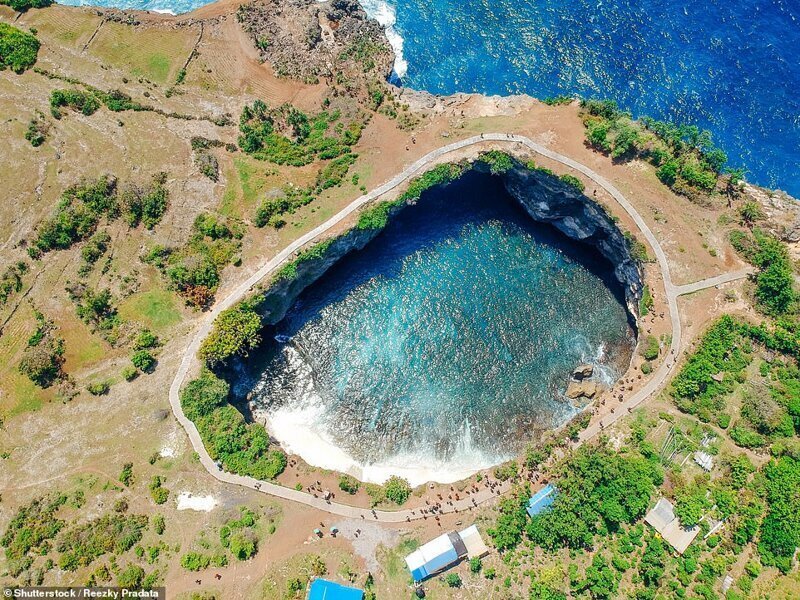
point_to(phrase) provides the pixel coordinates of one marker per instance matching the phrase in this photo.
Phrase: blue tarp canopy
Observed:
(541, 500)
(322, 589)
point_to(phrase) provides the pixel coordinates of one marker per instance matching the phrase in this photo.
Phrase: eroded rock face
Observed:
(549, 200)
(581, 389)
(309, 40)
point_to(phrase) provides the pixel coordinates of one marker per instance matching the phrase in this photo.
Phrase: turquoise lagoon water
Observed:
(442, 346)
(730, 66)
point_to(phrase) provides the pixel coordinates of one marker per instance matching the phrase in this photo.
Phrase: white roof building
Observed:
(445, 550)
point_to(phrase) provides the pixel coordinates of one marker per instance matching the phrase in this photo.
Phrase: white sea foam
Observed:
(163, 11)
(385, 14)
(186, 501)
(301, 431)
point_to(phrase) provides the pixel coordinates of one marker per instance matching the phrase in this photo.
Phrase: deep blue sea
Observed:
(731, 66)
(442, 346)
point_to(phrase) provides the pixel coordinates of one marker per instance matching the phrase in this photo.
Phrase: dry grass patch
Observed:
(144, 52)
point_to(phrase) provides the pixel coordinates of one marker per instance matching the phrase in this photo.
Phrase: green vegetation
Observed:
(780, 531)
(126, 476)
(439, 175)
(43, 357)
(287, 136)
(78, 100)
(31, 531)
(76, 216)
(194, 269)
(115, 533)
(349, 484)
(37, 130)
(11, 280)
(686, 159)
(82, 206)
(145, 204)
(236, 331)
(25, 5)
(646, 302)
(599, 490)
(775, 291)
(197, 561)
(240, 447)
(573, 181)
(650, 347)
(18, 49)
(499, 162)
(698, 388)
(238, 535)
(397, 489)
(289, 270)
(158, 492)
(377, 215)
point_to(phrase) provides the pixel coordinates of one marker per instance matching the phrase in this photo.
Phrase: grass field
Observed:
(146, 53)
(157, 309)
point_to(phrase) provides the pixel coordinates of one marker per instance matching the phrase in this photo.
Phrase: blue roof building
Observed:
(541, 500)
(322, 589)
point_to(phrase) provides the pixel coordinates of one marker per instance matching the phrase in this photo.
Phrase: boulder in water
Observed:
(583, 389)
(583, 372)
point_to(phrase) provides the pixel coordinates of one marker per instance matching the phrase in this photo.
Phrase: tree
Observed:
(131, 577)
(690, 505)
(453, 580)
(243, 545)
(397, 489)
(18, 49)
(236, 331)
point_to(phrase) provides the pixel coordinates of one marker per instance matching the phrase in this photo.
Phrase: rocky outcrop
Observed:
(581, 389)
(582, 372)
(309, 40)
(549, 200)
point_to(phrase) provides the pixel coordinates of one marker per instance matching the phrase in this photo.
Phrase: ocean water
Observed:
(442, 346)
(730, 66)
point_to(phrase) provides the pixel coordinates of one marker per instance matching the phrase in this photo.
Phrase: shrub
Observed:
(499, 162)
(397, 489)
(131, 577)
(650, 348)
(158, 492)
(573, 181)
(18, 49)
(647, 368)
(506, 471)
(349, 484)
(144, 361)
(11, 280)
(77, 214)
(109, 534)
(377, 215)
(236, 331)
(100, 388)
(78, 100)
(475, 565)
(126, 476)
(36, 133)
(130, 373)
(453, 580)
(145, 204)
(159, 525)
(243, 545)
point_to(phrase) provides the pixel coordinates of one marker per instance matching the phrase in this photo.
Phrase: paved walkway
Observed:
(485, 494)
